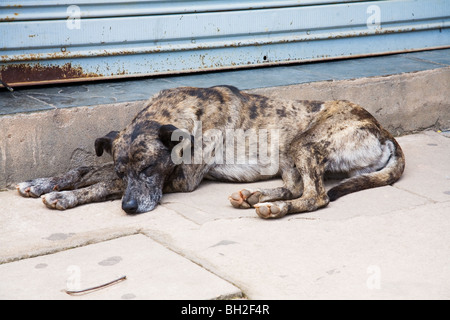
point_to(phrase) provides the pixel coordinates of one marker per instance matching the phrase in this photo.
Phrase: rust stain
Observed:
(22, 72)
(8, 18)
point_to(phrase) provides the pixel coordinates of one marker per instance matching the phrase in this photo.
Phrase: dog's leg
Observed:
(102, 191)
(186, 178)
(310, 162)
(292, 189)
(76, 178)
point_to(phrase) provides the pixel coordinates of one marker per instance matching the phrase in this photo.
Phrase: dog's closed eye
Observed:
(149, 170)
(121, 175)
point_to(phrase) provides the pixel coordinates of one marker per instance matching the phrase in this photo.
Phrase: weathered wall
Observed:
(50, 142)
(402, 103)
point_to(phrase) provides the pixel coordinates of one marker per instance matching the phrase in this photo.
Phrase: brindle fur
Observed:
(315, 138)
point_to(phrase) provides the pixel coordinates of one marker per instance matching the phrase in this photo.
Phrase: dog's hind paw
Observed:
(245, 199)
(271, 210)
(60, 200)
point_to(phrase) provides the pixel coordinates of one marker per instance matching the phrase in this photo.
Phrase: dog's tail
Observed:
(388, 175)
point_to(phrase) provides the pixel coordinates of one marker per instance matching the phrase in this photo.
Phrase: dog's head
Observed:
(142, 158)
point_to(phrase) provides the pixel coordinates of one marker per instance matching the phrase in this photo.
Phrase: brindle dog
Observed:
(312, 138)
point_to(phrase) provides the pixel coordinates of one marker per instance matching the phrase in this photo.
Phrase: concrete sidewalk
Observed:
(386, 243)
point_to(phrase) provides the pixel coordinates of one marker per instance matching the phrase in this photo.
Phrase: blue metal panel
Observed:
(62, 40)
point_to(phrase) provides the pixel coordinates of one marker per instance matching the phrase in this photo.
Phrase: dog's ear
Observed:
(105, 143)
(166, 134)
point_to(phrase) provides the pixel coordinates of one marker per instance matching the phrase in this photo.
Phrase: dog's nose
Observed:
(130, 206)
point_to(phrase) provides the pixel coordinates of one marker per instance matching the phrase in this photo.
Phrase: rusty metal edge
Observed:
(215, 69)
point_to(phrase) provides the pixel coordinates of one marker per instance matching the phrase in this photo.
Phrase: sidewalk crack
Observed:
(417, 195)
(41, 101)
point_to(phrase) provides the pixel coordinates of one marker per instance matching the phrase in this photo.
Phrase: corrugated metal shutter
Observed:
(68, 40)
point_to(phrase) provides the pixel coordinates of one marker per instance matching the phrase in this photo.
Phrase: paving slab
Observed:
(30, 229)
(152, 272)
(210, 201)
(428, 165)
(399, 255)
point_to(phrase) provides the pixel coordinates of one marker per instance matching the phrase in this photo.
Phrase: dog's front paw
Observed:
(60, 200)
(24, 190)
(245, 199)
(30, 189)
(36, 188)
(271, 210)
